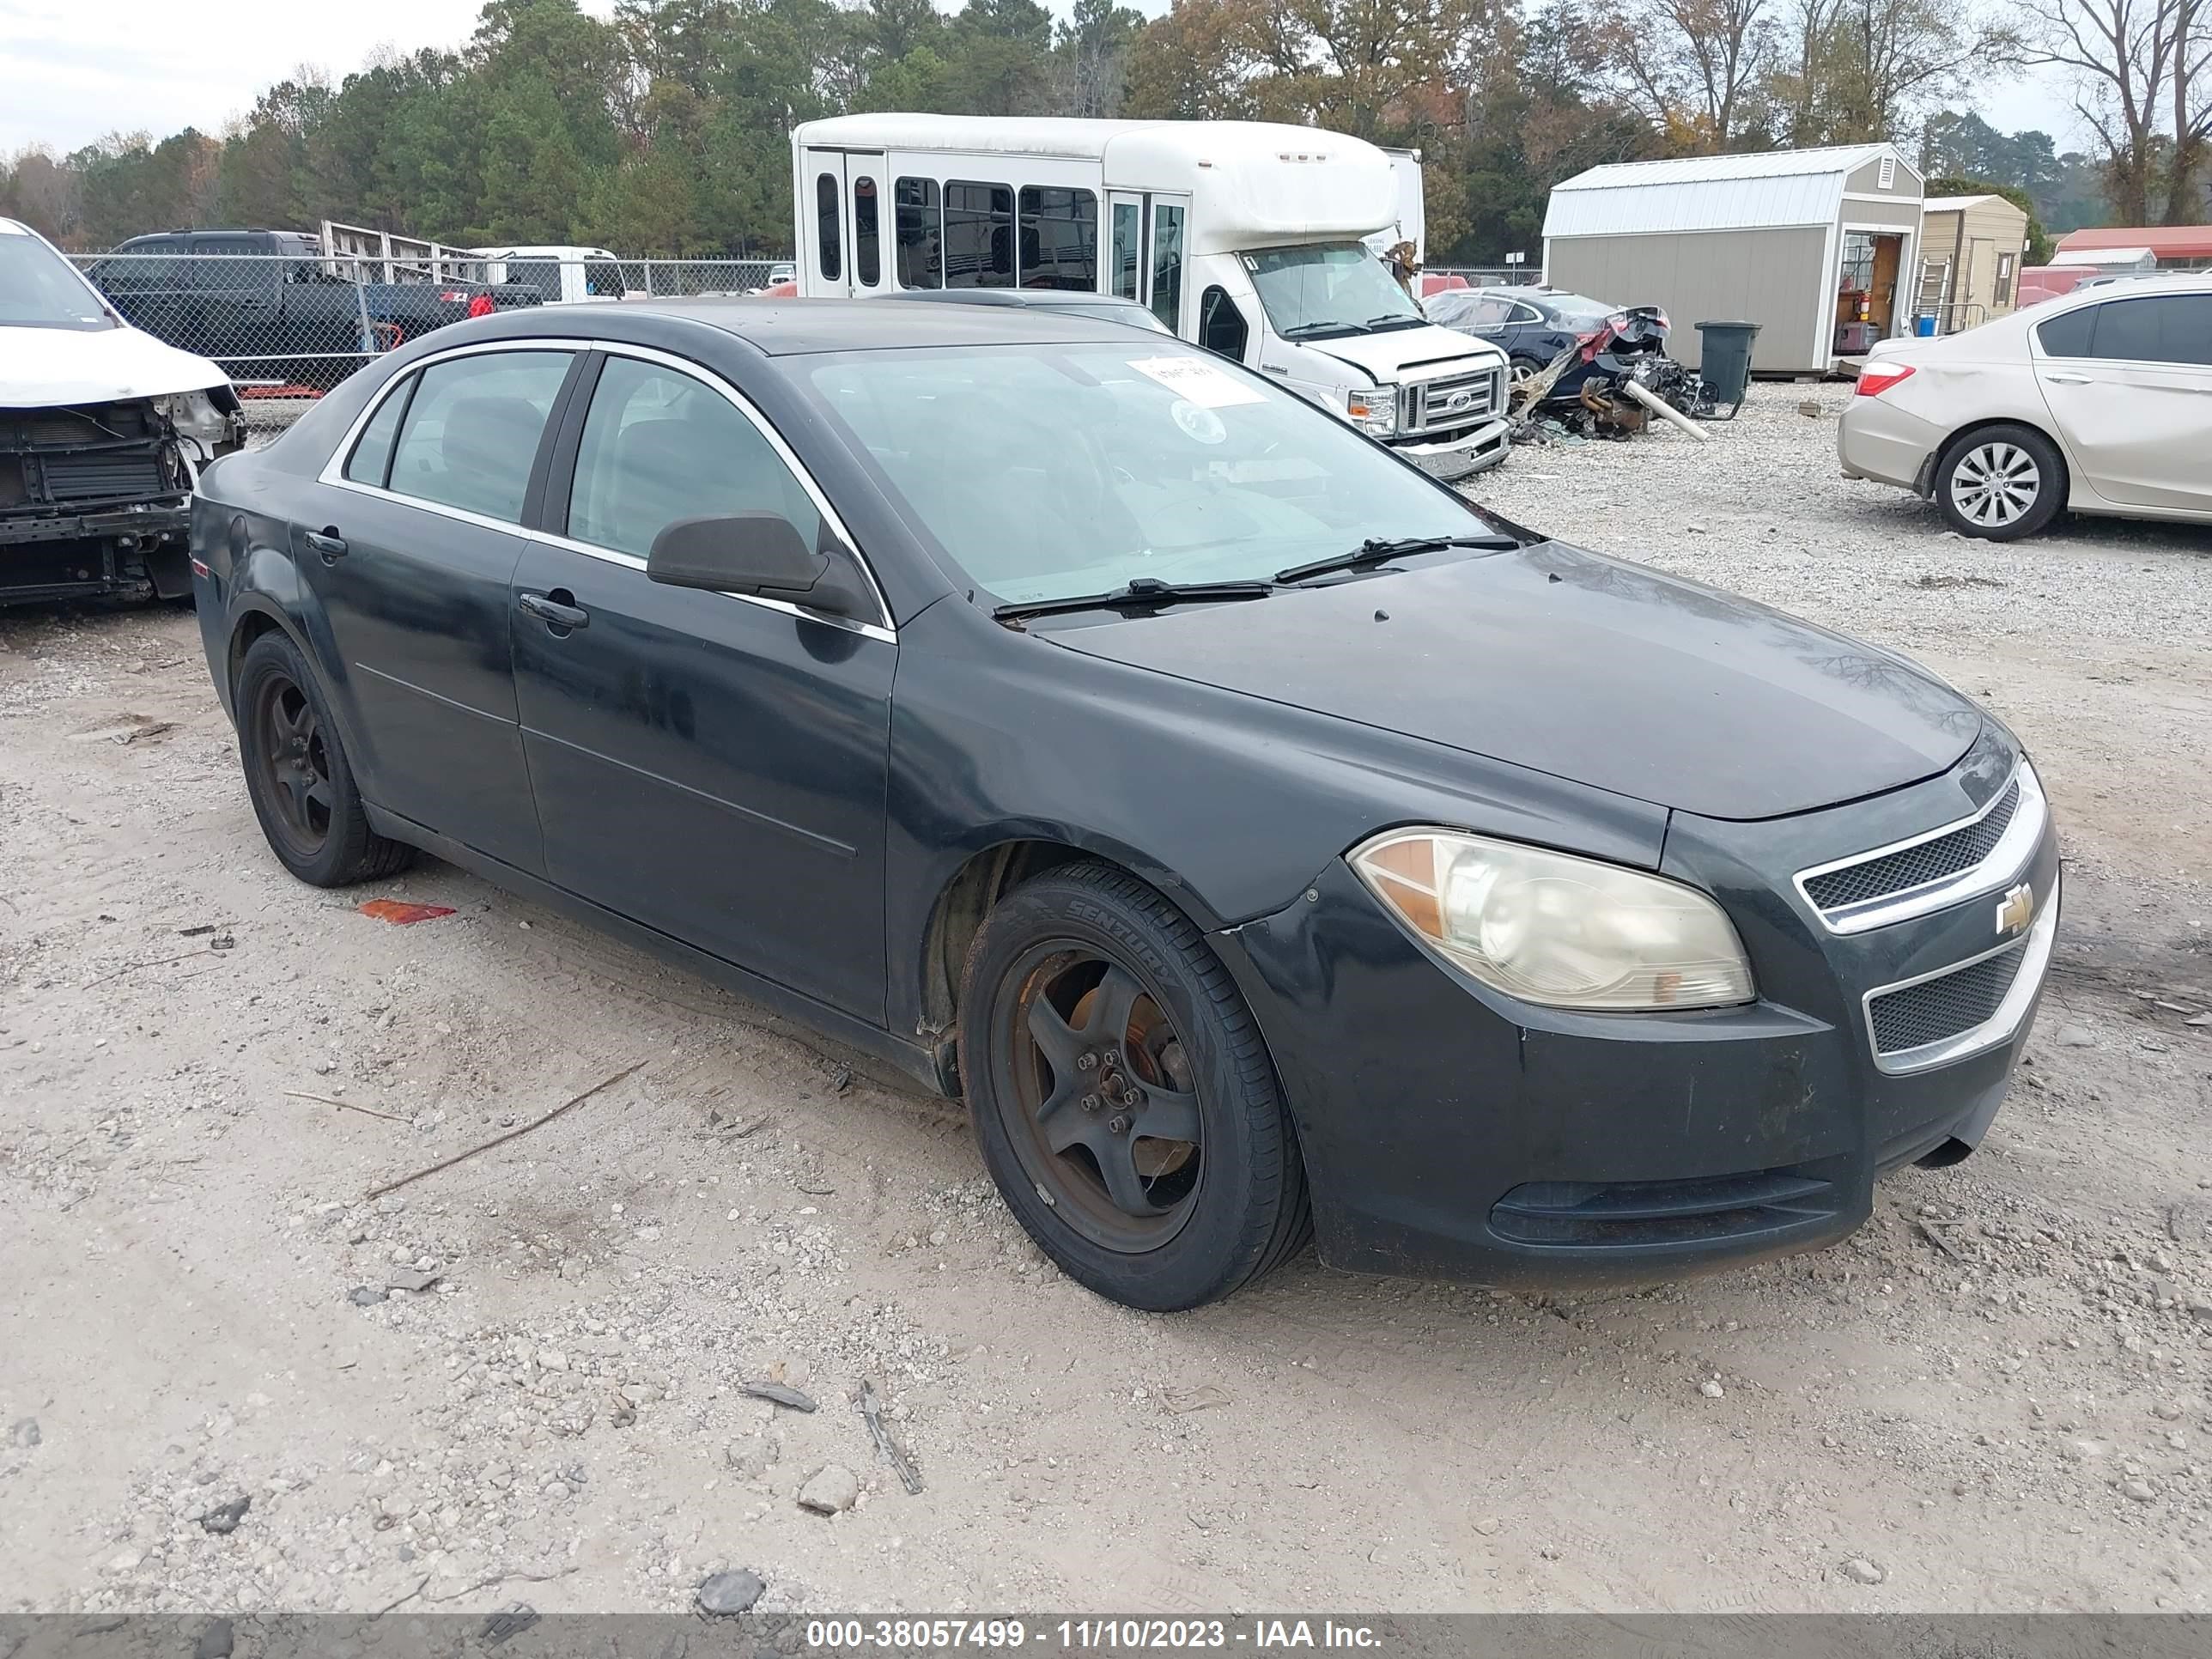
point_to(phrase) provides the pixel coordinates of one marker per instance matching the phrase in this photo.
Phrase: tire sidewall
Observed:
(272, 655)
(1216, 1247)
(2050, 482)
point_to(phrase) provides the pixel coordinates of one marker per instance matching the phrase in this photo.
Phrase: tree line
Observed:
(665, 129)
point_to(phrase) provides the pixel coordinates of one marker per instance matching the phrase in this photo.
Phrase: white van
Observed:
(1242, 237)
(565, 275)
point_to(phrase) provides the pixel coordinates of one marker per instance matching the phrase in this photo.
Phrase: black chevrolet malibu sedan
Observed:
(1263, 839)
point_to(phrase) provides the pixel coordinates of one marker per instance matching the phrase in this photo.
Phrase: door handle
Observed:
(2069, 380)
(326, 542)
(553, 612)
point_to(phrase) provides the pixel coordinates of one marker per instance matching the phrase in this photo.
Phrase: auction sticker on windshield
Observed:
(1200, 381)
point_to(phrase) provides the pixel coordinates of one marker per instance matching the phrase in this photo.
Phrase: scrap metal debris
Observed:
(873, 1409)
(778, 1393)
(510, 1620)
(401, 914)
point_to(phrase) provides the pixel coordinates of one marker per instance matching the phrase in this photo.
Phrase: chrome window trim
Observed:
(1998, 1028)
(333, 472)
(2004, 861)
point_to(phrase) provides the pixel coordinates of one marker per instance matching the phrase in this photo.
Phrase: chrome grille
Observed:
(1456, 401)
(1916, 867)
(1937, 1009)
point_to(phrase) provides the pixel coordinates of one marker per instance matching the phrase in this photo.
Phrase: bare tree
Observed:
(1694, 65)
(2127, 59)
(2193, 110)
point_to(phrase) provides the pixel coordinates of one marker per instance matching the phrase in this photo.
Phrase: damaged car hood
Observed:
(1565, 662)
(1409, 354)
(43, 366)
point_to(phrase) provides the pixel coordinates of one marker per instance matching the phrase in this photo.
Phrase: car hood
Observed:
(43, 366)
(1565, 662)
(1408, 354)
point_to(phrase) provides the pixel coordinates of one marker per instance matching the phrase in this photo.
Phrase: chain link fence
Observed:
(1490, 276)
(289, 327)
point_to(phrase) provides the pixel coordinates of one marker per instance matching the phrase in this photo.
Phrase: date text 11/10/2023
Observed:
(1088, 1635)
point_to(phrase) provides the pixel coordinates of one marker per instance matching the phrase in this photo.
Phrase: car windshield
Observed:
(38, 289)
(1049, 471)
(1329, 288)
(1578, 310)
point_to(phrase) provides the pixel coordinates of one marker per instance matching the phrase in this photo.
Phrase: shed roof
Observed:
(1952, 204)
(2166, 241)
(1769, 189)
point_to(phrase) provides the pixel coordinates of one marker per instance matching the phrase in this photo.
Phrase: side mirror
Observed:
(762, 554)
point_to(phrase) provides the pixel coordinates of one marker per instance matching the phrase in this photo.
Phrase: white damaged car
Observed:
(103, 430)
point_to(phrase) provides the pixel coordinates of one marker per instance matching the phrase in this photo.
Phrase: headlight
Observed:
(1564, 931)
(1376, 412)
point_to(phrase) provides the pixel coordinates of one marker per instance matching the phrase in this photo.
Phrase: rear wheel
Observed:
(297, 775)
(1122, 1096)
(2001, 483)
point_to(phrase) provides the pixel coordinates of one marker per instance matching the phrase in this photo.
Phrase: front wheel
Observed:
(1122, 1096)
(2001, 483)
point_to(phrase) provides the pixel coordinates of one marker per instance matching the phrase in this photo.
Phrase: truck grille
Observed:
(1451, 404)
(1938, 1009)
(1916, 867)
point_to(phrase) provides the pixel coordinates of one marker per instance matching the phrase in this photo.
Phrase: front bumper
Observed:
(1449, 1132)
(1453, 458)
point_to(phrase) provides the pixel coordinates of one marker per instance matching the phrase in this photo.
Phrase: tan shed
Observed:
(1971, 248)
(1820, 247)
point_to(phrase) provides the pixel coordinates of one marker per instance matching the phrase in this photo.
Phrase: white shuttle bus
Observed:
(1242, 237)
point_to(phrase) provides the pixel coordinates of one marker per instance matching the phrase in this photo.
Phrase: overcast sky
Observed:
(73, 70)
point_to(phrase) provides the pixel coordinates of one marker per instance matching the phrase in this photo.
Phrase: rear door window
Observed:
(2168, 328)
(469, 434)
(831, 241)
(868, 245)
(659, 445)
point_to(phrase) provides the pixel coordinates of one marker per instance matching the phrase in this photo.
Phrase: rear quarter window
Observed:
(2067, 335)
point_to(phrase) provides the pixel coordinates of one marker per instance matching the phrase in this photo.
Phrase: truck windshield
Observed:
(38, 289)
(1329, 288)
(1143, 459)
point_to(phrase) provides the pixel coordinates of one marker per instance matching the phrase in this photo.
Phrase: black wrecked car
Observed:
(1261, 838)
(1533, 325)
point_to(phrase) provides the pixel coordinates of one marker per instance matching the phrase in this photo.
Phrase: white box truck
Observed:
(1242, 237)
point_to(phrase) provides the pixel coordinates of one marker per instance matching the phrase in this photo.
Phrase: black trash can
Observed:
(1724, 363)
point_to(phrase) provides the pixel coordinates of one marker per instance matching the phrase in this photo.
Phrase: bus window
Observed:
(1059, 239)
(825, 207)
(920, 234)
(867, 256)
(1127, 235)
(1166, 266)
(979, 236)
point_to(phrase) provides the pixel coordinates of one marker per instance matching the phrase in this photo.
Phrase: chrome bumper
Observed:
(1453, 458)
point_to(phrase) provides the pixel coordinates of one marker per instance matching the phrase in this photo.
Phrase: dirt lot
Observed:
(1994, 1397)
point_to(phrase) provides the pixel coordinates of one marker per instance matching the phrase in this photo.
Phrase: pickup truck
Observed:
(272, 305)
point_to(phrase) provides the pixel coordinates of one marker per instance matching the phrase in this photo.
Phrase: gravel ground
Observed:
(1994, 1397)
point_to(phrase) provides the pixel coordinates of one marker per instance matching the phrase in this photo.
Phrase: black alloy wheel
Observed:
(294, 764)
(1108, 1117)
(1122, 1095)
(297, 774)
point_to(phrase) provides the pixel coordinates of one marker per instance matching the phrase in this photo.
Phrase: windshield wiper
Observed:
(1138, 593)
(1314, 330)
(1393, 319)
(1374, 550)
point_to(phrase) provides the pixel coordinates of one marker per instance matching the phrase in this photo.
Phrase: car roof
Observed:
(791, 327)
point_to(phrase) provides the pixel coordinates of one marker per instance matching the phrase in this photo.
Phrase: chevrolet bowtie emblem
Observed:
(2016, 910)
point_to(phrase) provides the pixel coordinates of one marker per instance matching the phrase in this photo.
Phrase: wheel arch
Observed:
(966, 897)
